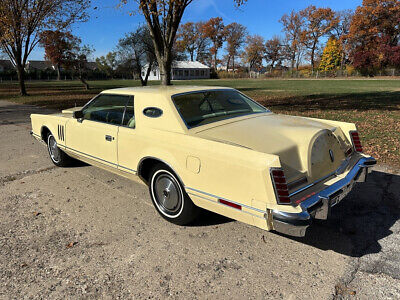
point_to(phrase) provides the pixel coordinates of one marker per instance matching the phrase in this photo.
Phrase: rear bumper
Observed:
(319, 205)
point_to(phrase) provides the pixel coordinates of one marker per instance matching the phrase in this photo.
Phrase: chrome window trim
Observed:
(122, 120)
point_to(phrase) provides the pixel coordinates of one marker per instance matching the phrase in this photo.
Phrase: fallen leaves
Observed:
(71, 244)
(342, 290)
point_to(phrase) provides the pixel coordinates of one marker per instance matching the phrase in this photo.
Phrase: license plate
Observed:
(346, 190)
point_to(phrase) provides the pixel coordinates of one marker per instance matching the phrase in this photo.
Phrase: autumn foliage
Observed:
(374, 35)
(331, 56)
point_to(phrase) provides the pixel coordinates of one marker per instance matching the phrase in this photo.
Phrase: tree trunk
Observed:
(233, 63)
(227, 64)
(58, 72)
(165, 71)
(82, 79)
(312, 55)
(144, 80)
(21, 79)
(312, 59)
(293, 60)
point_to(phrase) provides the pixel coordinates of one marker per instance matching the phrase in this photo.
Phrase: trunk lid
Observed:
(306, 148)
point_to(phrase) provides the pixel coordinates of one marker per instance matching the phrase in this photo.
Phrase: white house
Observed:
(181, 70)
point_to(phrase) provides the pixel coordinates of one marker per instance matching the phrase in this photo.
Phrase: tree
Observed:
(163, 18)
(254, 52)
(21, 21)
(340, 29)
(235, 36)
(374, 35)
(318, 23)
(186, 39)
(136, 50)
(214, 30)
(275, 51)
(77, 60)
(202, 44)
(293, 26)
(56, 44)
(331, 56)
(191, 39)
(108, 64)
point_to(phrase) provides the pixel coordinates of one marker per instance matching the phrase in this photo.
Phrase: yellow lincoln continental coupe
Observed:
(212, 148)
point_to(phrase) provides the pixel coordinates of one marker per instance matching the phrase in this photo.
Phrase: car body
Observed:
(217, 150)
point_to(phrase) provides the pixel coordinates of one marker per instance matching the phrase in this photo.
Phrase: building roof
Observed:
(180, 64)
(188, 65)
(39, 64)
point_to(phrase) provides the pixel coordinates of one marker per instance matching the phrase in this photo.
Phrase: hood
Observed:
(300, 143)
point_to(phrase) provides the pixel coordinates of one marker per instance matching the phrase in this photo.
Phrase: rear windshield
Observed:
(204, 107)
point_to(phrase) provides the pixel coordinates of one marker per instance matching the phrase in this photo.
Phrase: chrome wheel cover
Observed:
(167, 193)
(54, 151)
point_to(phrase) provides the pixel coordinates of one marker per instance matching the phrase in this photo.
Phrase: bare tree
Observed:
(293, 26)
(136, 50)
(163, 18)
(341, 29)
(77, 61)
(22, 20)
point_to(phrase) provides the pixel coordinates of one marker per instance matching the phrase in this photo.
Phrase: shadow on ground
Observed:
(385, 101)
(361, 220)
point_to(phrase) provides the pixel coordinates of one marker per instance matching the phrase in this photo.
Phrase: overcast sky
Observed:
(107, 24)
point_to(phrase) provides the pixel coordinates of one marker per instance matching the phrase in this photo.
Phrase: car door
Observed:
(95, 136)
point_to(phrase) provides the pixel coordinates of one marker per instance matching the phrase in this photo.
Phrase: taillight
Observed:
(280, 185)
(356, 141)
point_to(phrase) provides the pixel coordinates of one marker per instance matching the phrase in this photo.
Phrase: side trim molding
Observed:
(217, 197)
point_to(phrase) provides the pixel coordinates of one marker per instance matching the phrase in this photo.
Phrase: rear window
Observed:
(204, 107)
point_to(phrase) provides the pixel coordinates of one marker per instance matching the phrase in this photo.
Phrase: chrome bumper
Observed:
(319, 205)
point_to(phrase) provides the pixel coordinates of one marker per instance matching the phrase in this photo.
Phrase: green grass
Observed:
(373, 104)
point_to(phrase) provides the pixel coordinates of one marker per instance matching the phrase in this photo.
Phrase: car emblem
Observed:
(331, 155)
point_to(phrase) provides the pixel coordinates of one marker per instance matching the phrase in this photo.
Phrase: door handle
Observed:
(109, 138)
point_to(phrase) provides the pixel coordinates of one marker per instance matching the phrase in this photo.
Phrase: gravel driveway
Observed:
(81, 232)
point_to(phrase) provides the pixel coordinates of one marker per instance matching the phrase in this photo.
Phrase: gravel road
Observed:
(81, 232)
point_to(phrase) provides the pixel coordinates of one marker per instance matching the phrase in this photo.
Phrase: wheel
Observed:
(169, 197)
(57, 156)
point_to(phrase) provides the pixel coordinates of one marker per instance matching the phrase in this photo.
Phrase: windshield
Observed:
(204, 107)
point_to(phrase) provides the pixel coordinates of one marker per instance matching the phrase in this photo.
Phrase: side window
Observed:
(129, 116)
(106, 108)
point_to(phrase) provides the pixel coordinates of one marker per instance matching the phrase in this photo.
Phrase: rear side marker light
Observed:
(356, 141)
(231, 204)
(280, 185)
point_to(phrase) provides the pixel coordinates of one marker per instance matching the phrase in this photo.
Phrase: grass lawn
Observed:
(374, 105)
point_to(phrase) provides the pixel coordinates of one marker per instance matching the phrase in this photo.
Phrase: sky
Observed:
(107, 23)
